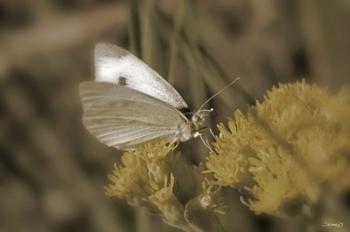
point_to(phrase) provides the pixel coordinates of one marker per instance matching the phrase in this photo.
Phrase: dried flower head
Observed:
(286, 147)
(201, 211)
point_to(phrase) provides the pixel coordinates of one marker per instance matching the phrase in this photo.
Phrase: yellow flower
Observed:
(128, 180)
(141, 170)
(229, 171)
(286, 147)
(143, 179)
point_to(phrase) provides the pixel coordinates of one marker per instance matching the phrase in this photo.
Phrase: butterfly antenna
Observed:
(218, 92)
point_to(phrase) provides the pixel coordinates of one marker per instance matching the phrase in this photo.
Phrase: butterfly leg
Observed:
(206, 143)
(212, 133)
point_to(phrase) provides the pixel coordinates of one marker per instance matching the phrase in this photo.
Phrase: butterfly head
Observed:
(197, 124)
(199, 117)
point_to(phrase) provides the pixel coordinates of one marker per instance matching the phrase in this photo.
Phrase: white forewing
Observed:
(116, 65)
(123, 117)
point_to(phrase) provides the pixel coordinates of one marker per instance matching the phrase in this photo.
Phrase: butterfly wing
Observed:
(121, 117)
(116, 65)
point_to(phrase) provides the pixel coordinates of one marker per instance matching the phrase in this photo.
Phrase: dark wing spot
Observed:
(121, 81)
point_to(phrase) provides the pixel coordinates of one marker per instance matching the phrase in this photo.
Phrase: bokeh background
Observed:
(53, 172)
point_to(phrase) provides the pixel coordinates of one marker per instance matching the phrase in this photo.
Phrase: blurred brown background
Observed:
(52, 172)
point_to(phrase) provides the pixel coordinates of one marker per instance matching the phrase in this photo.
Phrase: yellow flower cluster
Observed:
(143, 180)
(286, 147)
(147, 176)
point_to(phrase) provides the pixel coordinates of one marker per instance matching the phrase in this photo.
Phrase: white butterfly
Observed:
(129, 103)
